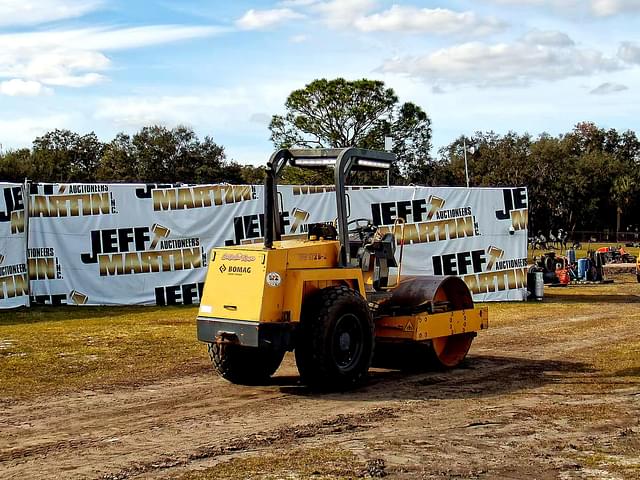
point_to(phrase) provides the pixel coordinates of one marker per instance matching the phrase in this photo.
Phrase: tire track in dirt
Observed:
(334, 426)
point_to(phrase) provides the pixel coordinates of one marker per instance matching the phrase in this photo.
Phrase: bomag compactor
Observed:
(331, 296)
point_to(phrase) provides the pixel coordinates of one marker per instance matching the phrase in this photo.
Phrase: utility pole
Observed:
(466, 167)
(388, 146)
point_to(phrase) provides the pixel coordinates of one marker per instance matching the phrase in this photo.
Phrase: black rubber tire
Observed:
(549, 264)
(244, 365)
(336, 339)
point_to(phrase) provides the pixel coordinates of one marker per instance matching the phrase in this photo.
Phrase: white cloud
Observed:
(606, 8)
(504, 64)
(296, 3)
(263, 19)
(343, 13)
(548, 38)
(75, 58)
(25, 12)
(608, 88)
(298, 38)
(22, 130)
(426, 20)
(260, 118)
(106, 38)
(23, 88)
(598, 8)
(629, 52)
(362, 15)
(171, 110)
(77, 81)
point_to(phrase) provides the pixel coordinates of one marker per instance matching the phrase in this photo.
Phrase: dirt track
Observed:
(531, 401)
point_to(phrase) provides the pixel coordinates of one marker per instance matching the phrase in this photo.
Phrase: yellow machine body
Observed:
(427, 326)
(249, 283)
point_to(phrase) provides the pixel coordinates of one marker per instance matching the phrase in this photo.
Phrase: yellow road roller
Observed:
(335, 296)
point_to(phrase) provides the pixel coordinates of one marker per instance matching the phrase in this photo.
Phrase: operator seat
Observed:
(380, 254)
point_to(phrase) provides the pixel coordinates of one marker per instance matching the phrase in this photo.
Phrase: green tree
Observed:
(118, 162)
(177, 155)
(252, 175)
(15, 165)
(65, 156)
(622, 191)
(212, 165)
(340, 113)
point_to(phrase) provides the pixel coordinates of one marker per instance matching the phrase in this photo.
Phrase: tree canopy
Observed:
(340, 113)
(154, 154)
(587, 179)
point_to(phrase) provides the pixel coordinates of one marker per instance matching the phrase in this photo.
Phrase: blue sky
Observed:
(224, 68)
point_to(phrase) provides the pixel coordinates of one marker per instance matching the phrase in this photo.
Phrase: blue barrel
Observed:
(582, 268)
(571, 255)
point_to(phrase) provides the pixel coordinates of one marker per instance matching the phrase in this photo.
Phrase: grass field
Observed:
(58, 350)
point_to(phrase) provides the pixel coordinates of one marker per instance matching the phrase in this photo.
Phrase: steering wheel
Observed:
(362, 226)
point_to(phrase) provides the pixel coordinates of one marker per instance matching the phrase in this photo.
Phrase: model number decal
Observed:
(274, 279)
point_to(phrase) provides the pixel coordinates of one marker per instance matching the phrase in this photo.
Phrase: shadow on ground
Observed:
(585, 298)
(480, 376)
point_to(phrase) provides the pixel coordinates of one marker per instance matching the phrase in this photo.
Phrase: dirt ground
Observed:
(543, 394)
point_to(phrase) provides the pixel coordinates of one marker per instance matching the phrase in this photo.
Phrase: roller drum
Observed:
(433, 295)
(429, 293)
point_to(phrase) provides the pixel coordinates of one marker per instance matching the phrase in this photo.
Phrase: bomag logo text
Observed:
(13, 208)
(236, 269)
(133, 250)
(199, 197)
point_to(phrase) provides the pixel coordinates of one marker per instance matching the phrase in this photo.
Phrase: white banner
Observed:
(114, 244)
(479, 234)
(129, 244)
(14, 282)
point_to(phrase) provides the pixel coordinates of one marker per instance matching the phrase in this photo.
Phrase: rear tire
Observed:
(244, 365)
(336, 341)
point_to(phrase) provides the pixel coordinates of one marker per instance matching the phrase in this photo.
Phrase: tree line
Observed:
(155, 154)
(586, 179)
